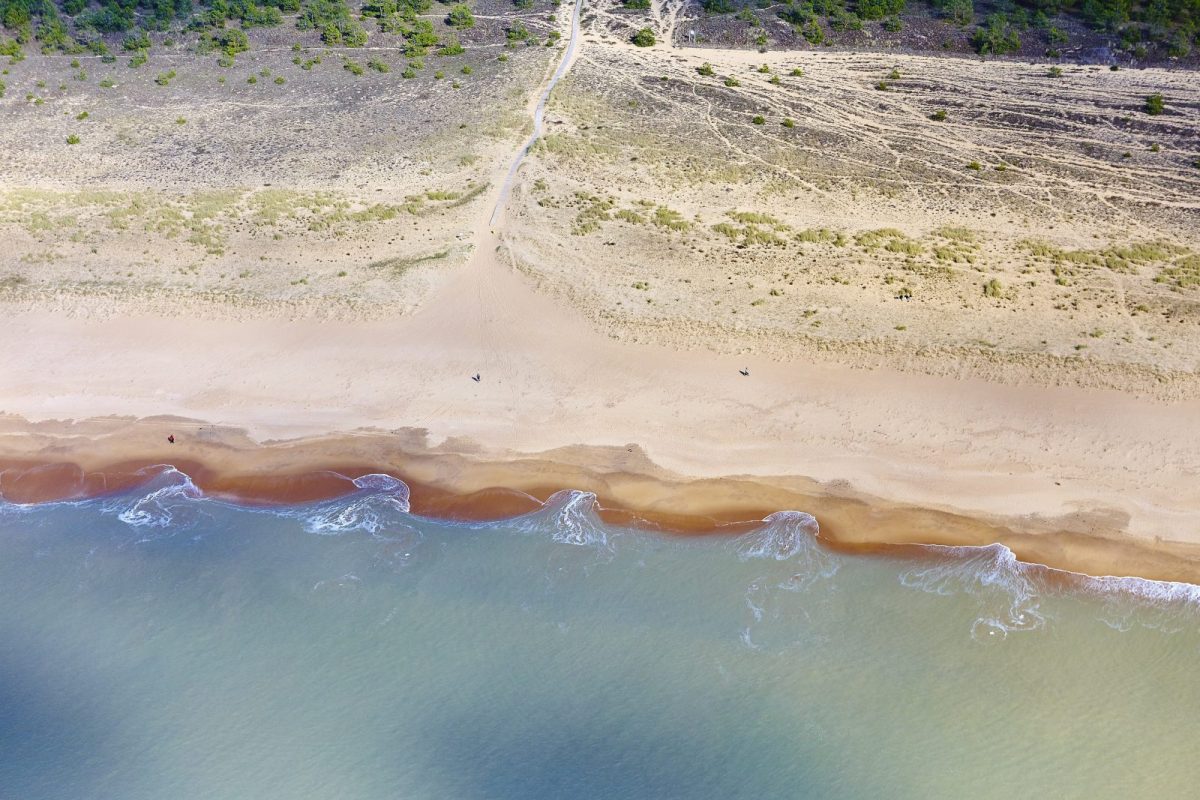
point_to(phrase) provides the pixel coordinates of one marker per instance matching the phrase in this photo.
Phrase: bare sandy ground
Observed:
(1098, 480)
(809, 205)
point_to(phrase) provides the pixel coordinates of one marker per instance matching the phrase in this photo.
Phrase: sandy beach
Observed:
(1082, 461)
(1098, 481)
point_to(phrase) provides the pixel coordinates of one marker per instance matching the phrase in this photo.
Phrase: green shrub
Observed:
(892, 24)
(759, 119)
(1154, 104)
(12, 49)
(138, 59)
(1179, 46)
(517, 32)
(993, 288)
(732, 82)
(232, 41)
(706, 70)
(996, 36)
(788, 123)
(1054, 72)
(842, 20)
(354, 35)
(73, 139)
(644, 38)
(878, 9)
(353, 67)
(136, 41)
(460, 17)
(960, 12)
(378, 65)
(939, 115)
(164, 78)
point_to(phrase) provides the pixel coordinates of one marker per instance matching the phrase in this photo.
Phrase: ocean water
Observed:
(164, 645)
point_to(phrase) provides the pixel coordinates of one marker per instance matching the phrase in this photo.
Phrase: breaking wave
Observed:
(1164, 605)
(1010, 591)
(572, 517)
(774, 604)
(1012, 595)
(170, 502)
(380, 504)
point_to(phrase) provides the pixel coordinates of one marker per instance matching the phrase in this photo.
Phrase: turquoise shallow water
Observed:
(161, 645)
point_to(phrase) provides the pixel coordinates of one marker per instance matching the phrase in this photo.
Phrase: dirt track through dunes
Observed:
(1046, 229)
(539, 110)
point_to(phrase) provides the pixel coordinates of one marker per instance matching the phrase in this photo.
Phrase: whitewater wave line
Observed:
(380, 505)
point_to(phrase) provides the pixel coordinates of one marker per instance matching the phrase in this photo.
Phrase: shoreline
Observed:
(47, 462)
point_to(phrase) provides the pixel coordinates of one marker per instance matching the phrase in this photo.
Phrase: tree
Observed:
(460, 17)
(644, 38)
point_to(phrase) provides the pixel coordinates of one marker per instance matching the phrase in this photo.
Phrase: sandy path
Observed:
(539, 112)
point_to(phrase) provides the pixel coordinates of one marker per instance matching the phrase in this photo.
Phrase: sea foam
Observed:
(572, 519)
(168, 502)
(380, 504)
(1010, 590)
